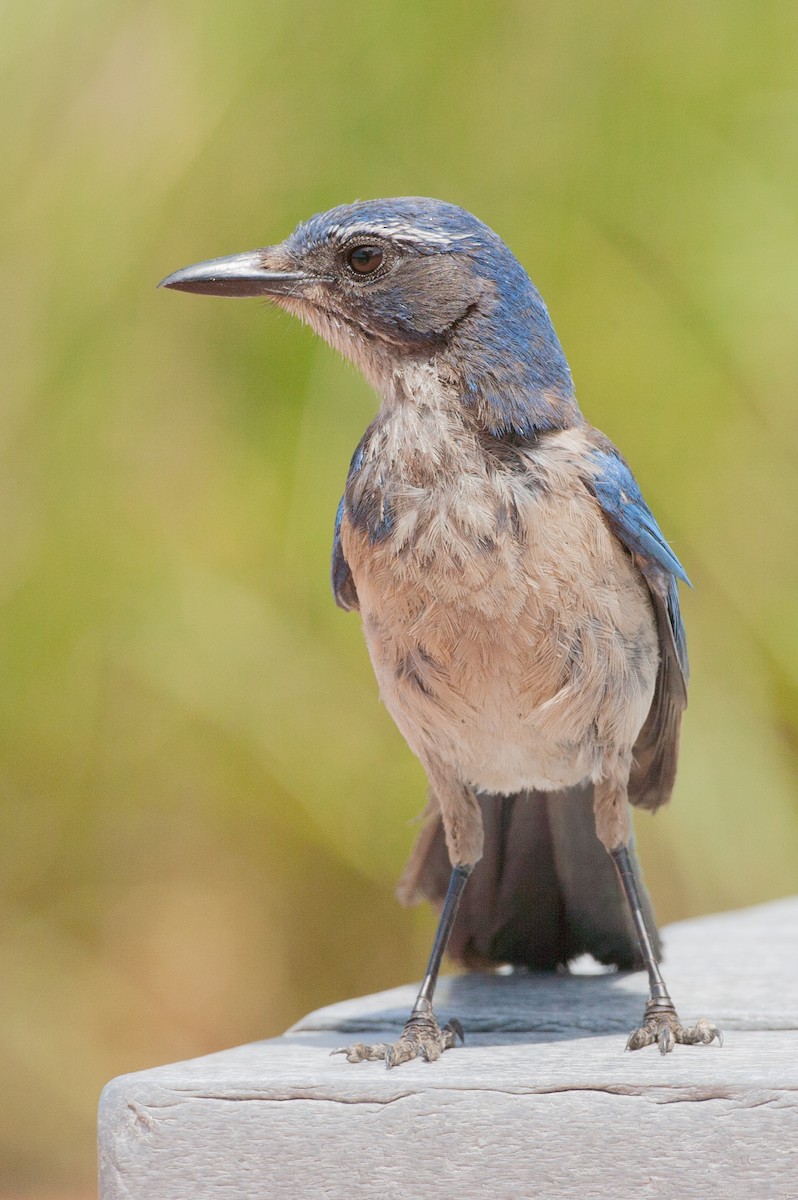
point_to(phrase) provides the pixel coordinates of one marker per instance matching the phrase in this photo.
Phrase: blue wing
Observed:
(631, 520)
(343, 585)
(616, 490)
(615, 487)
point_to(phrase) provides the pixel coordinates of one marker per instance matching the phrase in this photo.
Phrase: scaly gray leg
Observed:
(660, 1021)
(422, 1034)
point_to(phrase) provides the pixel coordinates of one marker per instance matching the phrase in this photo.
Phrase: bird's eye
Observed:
(365, 260)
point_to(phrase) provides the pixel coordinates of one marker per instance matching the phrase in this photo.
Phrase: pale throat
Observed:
(420, 432)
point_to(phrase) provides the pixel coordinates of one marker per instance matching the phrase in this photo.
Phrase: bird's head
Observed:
(393, 282)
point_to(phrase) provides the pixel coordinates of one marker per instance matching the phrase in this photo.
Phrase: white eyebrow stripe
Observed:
(398, 230)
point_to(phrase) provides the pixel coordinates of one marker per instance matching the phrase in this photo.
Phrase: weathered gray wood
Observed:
(540, 1102)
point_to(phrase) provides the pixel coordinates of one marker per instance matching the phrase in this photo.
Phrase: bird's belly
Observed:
(514, 677)
(500, 723)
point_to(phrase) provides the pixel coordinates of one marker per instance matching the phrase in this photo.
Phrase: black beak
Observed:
(237, 275)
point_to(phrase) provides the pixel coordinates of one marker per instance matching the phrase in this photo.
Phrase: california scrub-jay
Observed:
(518, 599)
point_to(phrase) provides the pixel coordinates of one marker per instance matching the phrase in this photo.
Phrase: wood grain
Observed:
(542, 1101)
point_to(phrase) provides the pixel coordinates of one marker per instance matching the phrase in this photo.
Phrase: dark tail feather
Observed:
(544, 891)
(598, 916)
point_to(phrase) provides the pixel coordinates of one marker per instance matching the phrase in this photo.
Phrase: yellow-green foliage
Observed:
(204, 806)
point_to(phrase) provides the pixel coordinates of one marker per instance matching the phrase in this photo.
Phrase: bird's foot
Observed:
(422, 1038)
(661, 1025)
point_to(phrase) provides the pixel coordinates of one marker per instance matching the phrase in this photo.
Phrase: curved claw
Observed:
(666, 1040)
(454, 1026)
(422, 1038)
(664, 1029)
(641, 1037)
(360, 1052)
(703, 1033)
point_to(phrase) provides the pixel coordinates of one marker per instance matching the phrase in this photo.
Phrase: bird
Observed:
(518, 599)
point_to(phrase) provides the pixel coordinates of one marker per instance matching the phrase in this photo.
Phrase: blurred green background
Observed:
(204, 807)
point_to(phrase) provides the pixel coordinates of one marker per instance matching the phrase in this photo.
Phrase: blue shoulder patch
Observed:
(368, 507)
(677, 625)
(343, 585)
(616, 490)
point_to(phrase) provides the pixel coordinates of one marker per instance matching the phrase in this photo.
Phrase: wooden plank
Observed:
(541, 1101)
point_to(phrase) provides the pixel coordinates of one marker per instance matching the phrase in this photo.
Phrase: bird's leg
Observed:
(462, 823)
(661, 1024)
(422, 1036)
